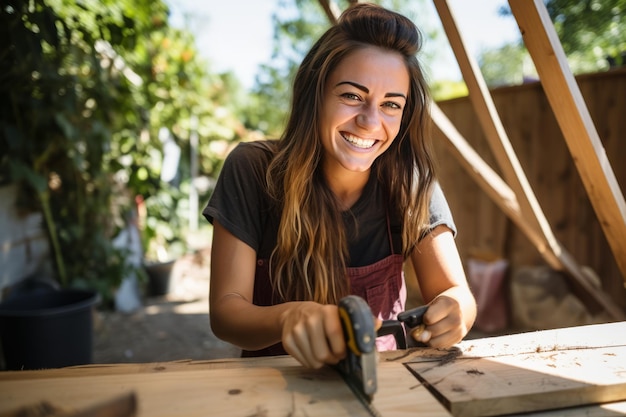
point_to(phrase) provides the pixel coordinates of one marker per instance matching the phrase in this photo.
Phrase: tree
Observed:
(592, 33)
(85, 89)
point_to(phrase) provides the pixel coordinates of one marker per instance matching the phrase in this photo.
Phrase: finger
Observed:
(305, 347)
(296, 343)
(444, 340)
(436, 312)
(321, 351)
(421, 334)
(378, 323)
(334, 337)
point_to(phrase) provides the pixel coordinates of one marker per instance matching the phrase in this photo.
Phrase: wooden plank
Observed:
(238, 387)
(527, 382)
(331, 9)
(280, 386)
(222, 392)
(498, 140)
(575, 121)
(399, 394)
(519, 362)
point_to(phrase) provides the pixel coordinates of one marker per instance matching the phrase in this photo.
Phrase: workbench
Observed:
(578, 371)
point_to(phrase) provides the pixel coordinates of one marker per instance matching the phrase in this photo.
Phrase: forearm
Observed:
(250, 327)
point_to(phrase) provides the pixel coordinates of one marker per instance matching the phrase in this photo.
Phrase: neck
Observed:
(347, 187)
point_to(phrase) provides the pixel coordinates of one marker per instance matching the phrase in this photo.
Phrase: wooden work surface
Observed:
(492, 376)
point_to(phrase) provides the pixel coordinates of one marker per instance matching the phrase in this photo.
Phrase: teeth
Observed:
(359, 142)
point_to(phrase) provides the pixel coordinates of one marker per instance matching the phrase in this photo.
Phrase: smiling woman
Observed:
(361, 116)
(337, 205)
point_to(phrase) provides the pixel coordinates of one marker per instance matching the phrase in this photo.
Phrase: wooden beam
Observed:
(502, 195)
(331, 10)
(535, 225)
(497, 138)
(575, 121)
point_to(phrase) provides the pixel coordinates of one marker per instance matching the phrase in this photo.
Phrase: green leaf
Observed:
(22, 172)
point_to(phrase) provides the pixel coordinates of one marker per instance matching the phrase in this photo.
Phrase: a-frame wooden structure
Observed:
(513, 194)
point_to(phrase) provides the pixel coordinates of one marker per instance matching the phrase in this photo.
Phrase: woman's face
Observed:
(362, 109)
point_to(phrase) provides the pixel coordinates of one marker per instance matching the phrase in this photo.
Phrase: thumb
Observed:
(378, 323)
(421, 334)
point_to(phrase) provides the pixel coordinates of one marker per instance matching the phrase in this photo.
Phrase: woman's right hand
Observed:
(312, 334)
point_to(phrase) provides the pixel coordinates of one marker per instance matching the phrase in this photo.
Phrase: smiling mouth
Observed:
(358, 142)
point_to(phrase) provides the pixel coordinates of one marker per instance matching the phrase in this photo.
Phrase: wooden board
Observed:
(529, 382)
(528, 372)
(279, 386)
(261, 387)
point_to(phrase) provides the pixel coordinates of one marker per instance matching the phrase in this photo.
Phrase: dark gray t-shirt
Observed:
(241, 204)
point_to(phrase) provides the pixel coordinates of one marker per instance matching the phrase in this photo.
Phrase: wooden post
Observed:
(331, 10)
(573, 117)
(498, 140)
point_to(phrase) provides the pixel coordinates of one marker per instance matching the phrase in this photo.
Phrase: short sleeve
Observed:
(239, 201)
(440, 213)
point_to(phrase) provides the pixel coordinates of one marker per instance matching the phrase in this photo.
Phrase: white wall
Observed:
(23, 243)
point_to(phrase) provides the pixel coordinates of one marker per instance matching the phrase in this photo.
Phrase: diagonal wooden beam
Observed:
(497, 138)
(331, 9)
(502, 195)
(575, 121)
(533, 221)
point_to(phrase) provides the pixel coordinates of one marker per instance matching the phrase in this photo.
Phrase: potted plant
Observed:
(163, 236)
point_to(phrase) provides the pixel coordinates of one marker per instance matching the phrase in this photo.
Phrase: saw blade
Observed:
(363, 398)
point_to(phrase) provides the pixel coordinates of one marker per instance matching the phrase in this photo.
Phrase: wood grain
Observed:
(240, 387)
(537, 371)
(528, 382)
(564, 360)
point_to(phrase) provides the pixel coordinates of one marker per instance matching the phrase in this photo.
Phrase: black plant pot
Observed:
(159, 277)
(50, 329)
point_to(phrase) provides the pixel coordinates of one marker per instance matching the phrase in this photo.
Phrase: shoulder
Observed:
(248, 160)
(253, 152)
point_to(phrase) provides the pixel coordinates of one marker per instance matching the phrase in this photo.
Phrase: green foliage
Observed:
(85, 88)
(592, 33)
(56, 130)
(445, 90)
(507, 65)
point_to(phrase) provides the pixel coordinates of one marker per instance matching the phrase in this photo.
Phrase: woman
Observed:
(337, 205)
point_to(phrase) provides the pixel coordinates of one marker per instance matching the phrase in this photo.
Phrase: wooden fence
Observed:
(543, 153)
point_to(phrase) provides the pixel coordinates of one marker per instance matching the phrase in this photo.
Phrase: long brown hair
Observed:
(309, 261)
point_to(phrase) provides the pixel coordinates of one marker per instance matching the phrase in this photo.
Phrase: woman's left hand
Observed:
(444, 325)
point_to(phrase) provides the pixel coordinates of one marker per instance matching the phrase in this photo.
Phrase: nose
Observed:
(368, 118)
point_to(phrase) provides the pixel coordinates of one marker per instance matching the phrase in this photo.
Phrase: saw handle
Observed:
(358, 324)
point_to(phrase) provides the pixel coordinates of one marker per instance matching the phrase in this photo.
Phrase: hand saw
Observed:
(358, 368)
(406, 321)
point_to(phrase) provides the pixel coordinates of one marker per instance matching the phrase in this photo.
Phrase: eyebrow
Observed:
(367, 90)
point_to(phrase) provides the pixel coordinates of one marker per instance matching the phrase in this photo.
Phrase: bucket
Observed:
(50, 329)
(159, 277)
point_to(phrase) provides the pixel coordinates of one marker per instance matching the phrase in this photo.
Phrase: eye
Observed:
(392, 105)
(351, 96)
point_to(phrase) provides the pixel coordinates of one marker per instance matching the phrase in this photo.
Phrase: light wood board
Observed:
(262, 387)
(279, 386)
(529, 372)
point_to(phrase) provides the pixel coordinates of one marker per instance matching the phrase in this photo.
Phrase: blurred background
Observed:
(116, 115)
